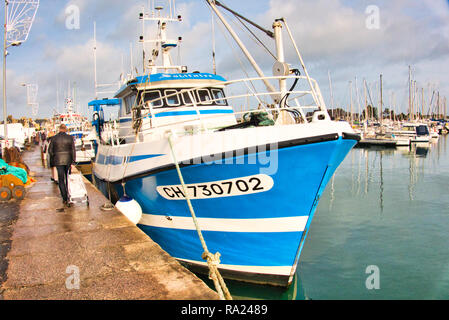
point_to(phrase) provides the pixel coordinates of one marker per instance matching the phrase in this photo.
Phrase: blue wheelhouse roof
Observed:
(104, 102)
(176, 76)
(158, 77)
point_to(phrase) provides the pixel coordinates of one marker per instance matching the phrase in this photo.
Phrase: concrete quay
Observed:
(83, 253)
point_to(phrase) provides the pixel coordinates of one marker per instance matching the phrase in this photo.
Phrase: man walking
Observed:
(62, 154)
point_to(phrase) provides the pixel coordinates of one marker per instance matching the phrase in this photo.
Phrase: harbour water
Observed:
(384, 214)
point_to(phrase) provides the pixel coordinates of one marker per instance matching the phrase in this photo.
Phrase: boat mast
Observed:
(358, 100)
(415, 101)
(277, 26)
(214, 66)
(422, 102)
(162, 44)
(95, 60)
(366, 104)
(142, 39)
(394, 106)
(332, 94)
(409, 92)
(438, 104)
(350, 93)
(381, 102)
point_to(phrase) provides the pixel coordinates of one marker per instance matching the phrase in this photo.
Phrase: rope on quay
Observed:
(213, 260)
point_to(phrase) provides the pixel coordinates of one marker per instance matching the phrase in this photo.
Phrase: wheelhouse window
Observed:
(204, 96)
(153, 95)
(173, 98)
(219, 97)
(129, 102)
(186, 98)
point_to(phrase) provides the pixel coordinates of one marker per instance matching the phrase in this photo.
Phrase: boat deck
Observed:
(46, 250)
(377, 142)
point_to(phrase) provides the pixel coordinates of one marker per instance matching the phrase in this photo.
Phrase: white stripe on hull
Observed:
(288, 224)
(273, 270)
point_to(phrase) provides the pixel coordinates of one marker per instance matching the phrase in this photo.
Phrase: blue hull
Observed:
(300, 177)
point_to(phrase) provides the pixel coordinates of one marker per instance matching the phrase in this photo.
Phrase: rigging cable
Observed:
(254, 90)
(256, 39)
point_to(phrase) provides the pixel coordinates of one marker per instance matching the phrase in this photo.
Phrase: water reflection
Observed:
(248, 291)
(367, 168)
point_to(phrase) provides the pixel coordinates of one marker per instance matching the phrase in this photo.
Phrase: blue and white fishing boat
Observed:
(79, 128)
(253, 176)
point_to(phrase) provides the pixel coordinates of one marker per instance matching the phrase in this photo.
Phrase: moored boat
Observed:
(418, 132)
(253, 177)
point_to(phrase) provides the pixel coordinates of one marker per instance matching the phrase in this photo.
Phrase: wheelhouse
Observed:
(183, 100)
(175, 97)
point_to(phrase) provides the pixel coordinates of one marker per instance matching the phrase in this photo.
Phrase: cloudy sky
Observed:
(337, 37)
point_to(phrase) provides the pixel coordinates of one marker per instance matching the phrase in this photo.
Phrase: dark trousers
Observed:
(63, 171)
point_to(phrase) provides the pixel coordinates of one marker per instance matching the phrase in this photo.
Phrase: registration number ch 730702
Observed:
(216, 189)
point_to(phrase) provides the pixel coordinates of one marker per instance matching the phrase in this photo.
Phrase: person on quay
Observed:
(62, 155)
(54, 173)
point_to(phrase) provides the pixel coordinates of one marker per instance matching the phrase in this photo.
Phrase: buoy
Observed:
(130, 208)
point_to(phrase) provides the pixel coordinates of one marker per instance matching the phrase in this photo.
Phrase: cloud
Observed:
(331, 35)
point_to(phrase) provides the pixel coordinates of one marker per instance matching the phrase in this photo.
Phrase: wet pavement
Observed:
(83, 252)
(9, 213)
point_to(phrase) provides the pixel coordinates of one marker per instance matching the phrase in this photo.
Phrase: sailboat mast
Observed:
(332, 94)
(444, 116)
(350, 92)
(366, 101)
(358, 100)
(366, 106)
(381, 101)
(438, 105)
(422, 102)
(415, 100)
(409, 92)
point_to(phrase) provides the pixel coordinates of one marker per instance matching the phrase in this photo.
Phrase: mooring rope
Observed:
(213, 260)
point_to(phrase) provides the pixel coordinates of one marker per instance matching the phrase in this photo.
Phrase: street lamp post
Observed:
(5, 53)
(5, 126)
(18, 22)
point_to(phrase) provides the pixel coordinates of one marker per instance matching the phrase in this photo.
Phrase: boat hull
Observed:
(256, 220)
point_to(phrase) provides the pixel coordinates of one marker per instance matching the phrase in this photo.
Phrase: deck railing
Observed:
(299, 102)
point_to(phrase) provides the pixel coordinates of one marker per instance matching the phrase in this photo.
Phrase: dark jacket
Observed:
(62, 150)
